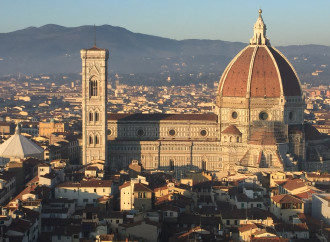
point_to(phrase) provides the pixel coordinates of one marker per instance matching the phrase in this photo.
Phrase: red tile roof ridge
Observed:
(161, 116)
(126, 184)
(141, 187)
(232, 129)
(286, 198)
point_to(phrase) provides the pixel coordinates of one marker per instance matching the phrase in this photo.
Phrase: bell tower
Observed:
(94, 104)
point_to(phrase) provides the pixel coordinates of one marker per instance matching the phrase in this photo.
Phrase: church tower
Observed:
(94, 104)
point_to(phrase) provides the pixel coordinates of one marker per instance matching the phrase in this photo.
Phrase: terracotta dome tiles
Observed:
(232, 130)
(238, 75)
(290, 83)
(264, 79)
(269, 69)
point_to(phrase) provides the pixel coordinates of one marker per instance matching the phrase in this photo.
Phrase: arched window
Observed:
(237, 139)
(93, 87)
(97, 116)
(90, 116)
(97, 140)
(90, 140)
(231, 139)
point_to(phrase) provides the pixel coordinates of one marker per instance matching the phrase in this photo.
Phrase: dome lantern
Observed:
(259, 32)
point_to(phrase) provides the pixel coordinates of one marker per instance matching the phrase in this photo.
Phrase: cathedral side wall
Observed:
(170, 145)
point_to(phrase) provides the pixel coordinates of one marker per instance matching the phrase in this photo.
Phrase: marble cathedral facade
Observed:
(258, 122)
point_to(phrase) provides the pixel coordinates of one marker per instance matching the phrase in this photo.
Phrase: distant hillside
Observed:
(55, 49)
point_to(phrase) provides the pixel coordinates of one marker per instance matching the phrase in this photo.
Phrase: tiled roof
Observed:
(139, 187)
(232, 129)
(269, 68)
(89, 183)
(311, 133)
(126, 184)
(269, 239)
(51, 175)
(95, 48)
(293, 184)
(234, 213)
(282, 227)
(246, 227)
(161, 116)
(262, 137)
(306, 195)
(286, 198)
(312, 175)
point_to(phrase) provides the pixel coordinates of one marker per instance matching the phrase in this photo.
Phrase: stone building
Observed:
(258, 121)
(47, 128)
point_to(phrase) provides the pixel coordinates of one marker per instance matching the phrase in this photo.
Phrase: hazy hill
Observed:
(55, 49)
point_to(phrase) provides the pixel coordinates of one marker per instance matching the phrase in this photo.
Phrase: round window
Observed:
(109, 132)
(203, 132)
(172, 132)
(291, 115)
(263, 116)
(140, 132)
(234, 115)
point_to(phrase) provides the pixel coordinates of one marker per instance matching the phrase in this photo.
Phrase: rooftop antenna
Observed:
(94, 36)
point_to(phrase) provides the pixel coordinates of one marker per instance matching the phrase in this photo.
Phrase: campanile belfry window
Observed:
(93, 87)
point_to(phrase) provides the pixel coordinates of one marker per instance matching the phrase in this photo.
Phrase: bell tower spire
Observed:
(259, 34)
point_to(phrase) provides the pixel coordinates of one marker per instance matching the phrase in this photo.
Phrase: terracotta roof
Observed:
(281, 227)
(235, 77)
(290, 83)
(269, 68)
(232, 129)
(293, 184)
(317, 175)
(89, 183)
(295, 129)
(234, 213)
(286, 198)
(160, 188)
(126, 184)
(91, 168)
(139, 187)
(246, 227)
(95, 48)
(50, 176)
(27, 190)
(269, 239)
(161, 116)
(262, 137)
(264, 79)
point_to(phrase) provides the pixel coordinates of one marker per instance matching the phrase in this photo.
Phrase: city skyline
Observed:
(294, 22)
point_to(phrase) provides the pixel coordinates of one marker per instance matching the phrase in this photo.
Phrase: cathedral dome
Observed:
(259, 70)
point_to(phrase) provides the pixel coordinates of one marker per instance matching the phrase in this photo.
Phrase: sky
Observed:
(288, 21)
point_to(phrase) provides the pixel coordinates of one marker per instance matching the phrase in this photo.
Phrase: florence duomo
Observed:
(258, 121)
(150, 138)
